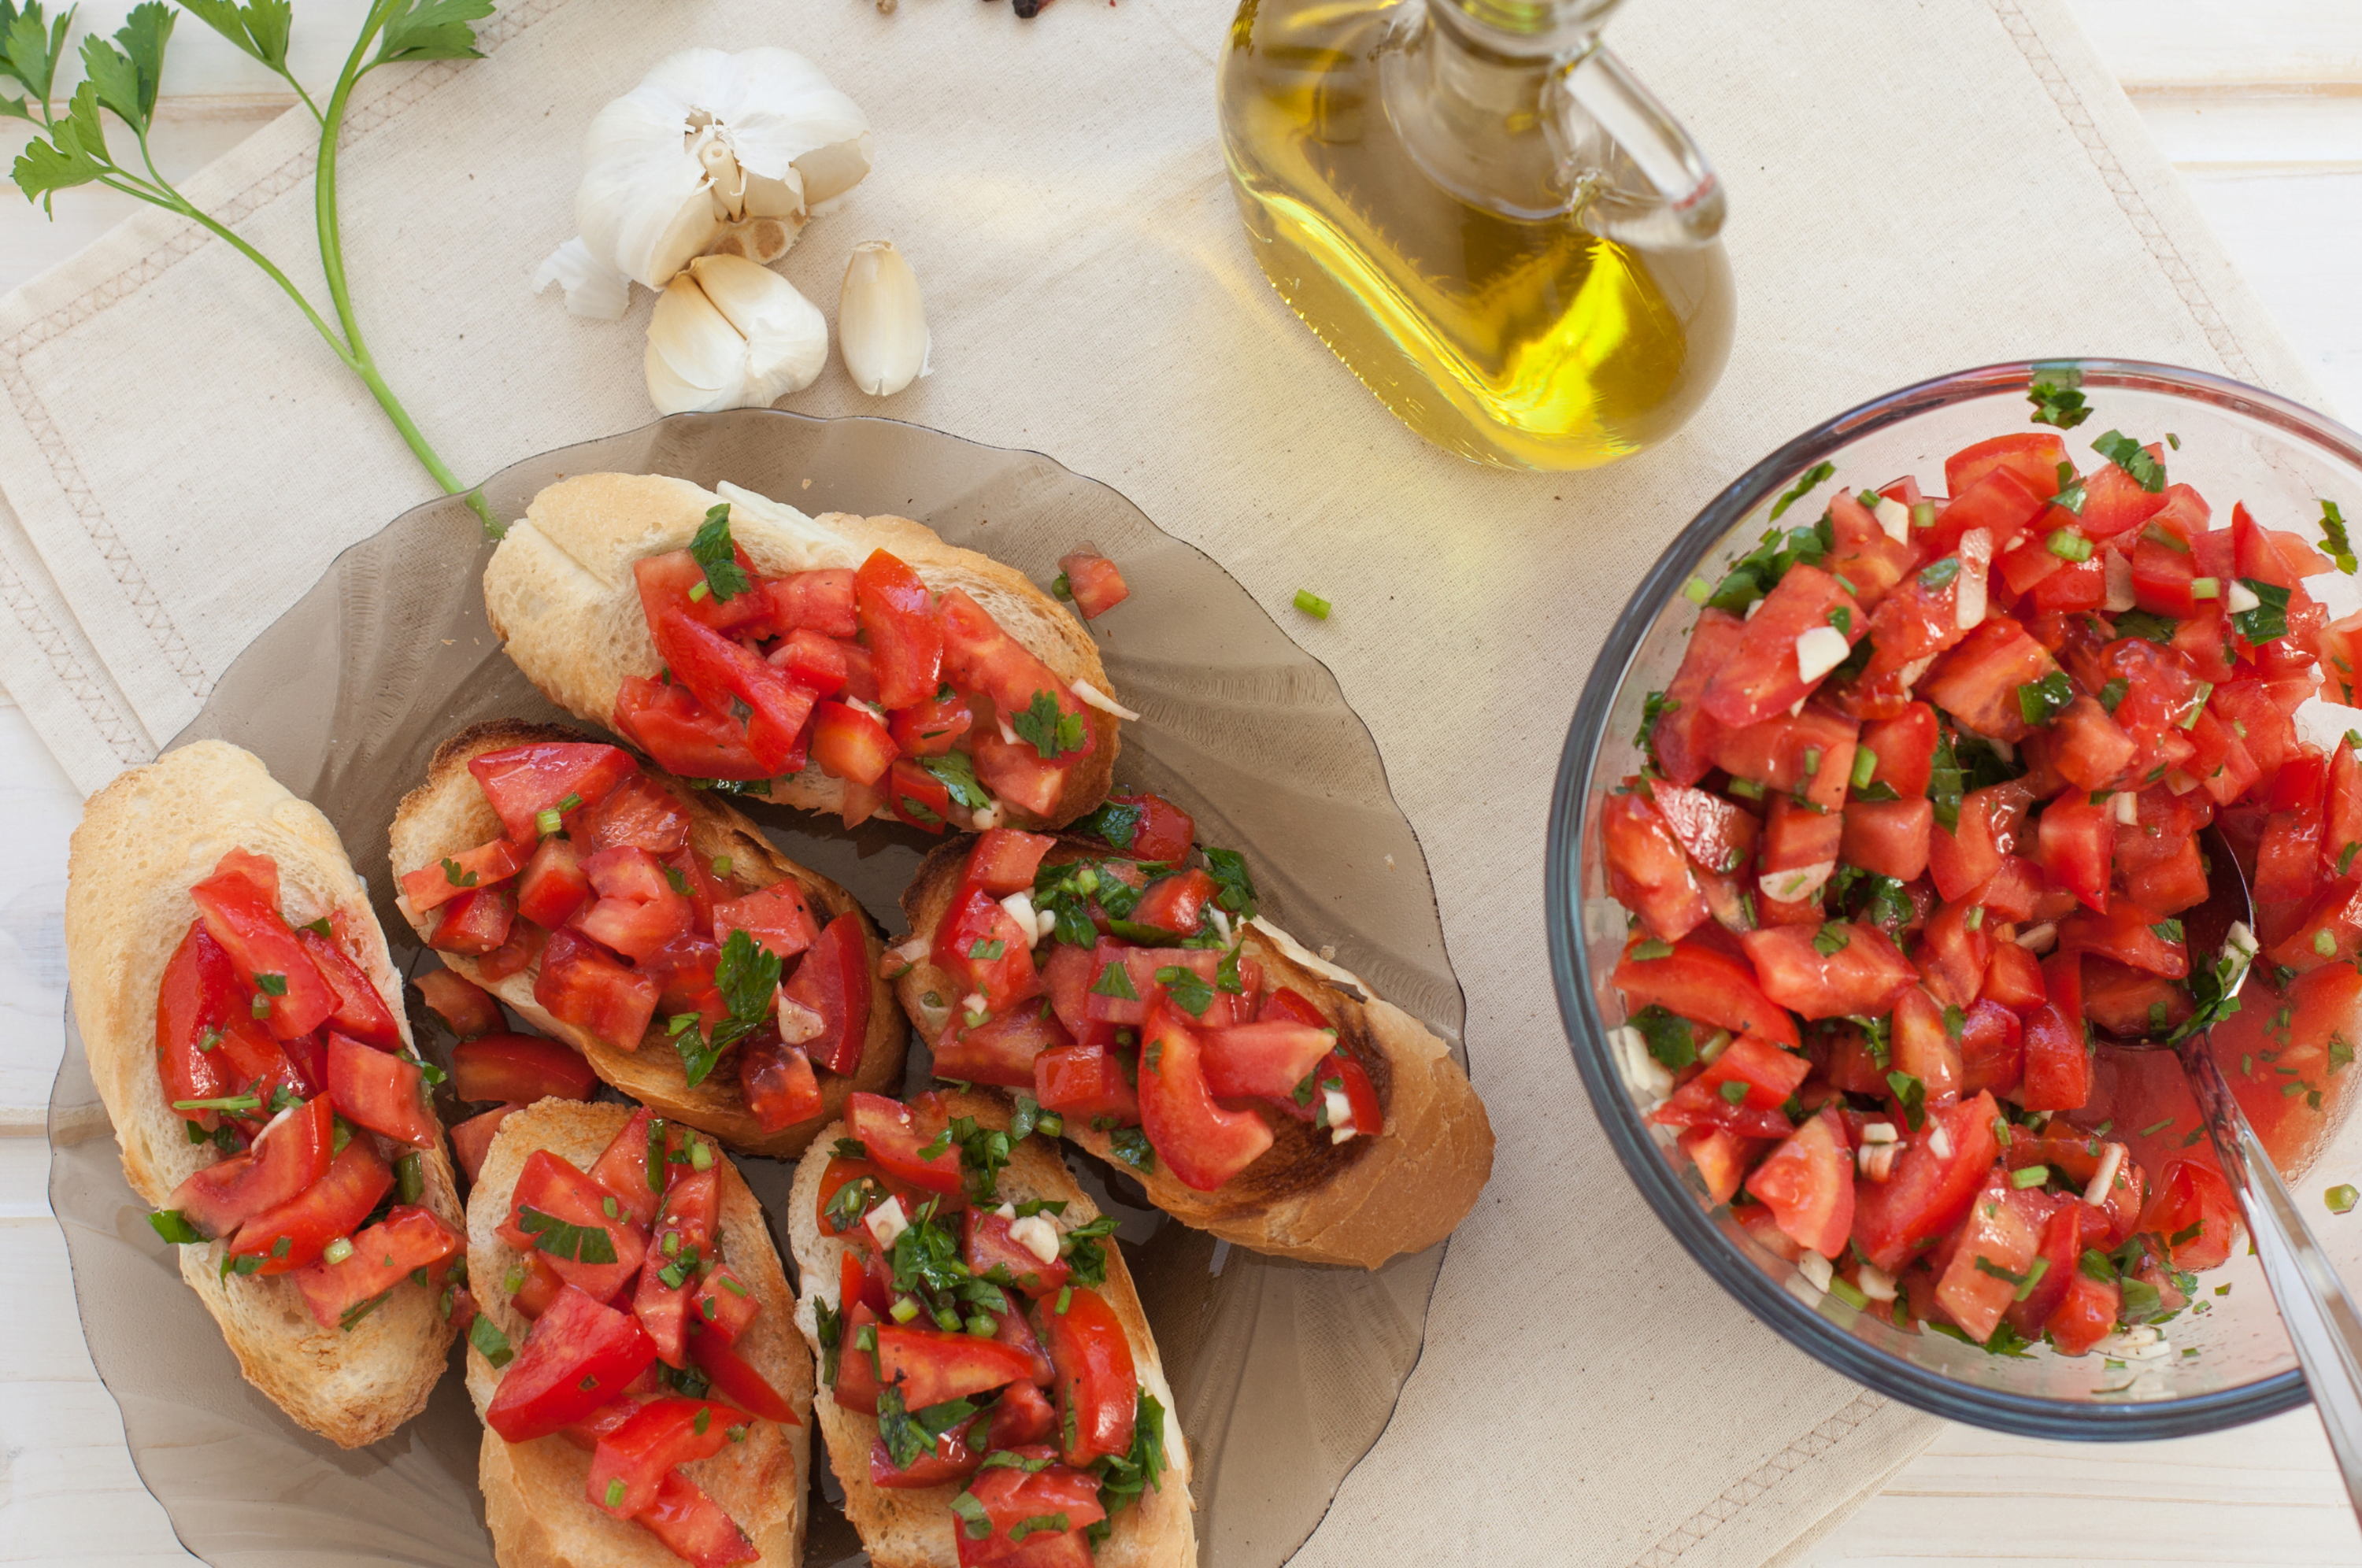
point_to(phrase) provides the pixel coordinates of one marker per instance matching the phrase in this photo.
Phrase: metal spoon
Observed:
(2320, 1315)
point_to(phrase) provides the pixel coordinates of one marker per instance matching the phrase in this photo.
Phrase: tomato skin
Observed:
(639, 1452)
(551, 1185)
(430, 887)
(383, 1255)
(1760, 677)
(737, 1380)
(1708, 985)
(1086, 1081)
(2114, 501)
(1962, 859)
(582, 986)
(1863, 977)
(931, 1367)
(197, 993)
(2077, 844)
(894, 1138)
(380, 1091)
(2057, 1075)
(721, 1306)
(2061, 1246)
(519, 1068)
(2085, 1315)
(1976, 681)
(1807, 1183)
(1906, 745)
(2127, 933)
(777, 919)
(832, 980)
(2000, 501)
(471, 1140)
(1993, 1043)
(1685, 734)
(291, 1154)
(1097, 1387)
(1096, 584)
(1889, 837)
(636, 911)
(980, 656)
(897, 613)
(522, 781)
(331, 1206)
(1927, 1193)
(1715, 834)
(1001, 1050)
(1203, 1145)
(984, 950)
(1010, 1495)
(718, 669)
(1266, 1059)
(1924, 1048)
(1647, 871)
(822, 601)
(246, 923)
(932, 726)
(577, 1340)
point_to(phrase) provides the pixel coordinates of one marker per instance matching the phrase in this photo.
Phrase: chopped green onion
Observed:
(1865, 766)
(2206, 588)
(548, 822)
(2340, 1199)
(700, 1155)
(2029, 1176)
(1696, 590)
(1923, 514)
(1312, 604)
(904, 1309)
(615, 1488)
(337, 1251)
(2070, 545)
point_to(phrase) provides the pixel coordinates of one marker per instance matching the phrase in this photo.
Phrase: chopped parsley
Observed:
(1051, 733)
(2268, 619)
(717, 554)
(749, 979)
(2334, 539)
(2056, 400)
(2133, 458)
(562, 1239)
(1813, 477)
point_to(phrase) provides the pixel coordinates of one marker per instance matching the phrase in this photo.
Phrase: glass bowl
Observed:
(2234, 442)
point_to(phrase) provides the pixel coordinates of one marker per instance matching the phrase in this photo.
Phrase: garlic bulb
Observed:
(712, 152)
(880, 322)
(728, 333)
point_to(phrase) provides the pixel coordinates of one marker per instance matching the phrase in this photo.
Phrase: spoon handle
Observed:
(2320, 1315)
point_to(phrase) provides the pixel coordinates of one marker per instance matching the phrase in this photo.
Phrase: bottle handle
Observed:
(1642, 179)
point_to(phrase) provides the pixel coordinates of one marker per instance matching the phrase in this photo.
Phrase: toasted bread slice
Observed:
(912, 1529)
(536, 1494)
(143, 841)
(1361, 1201)
(449, 814)
(561, 595)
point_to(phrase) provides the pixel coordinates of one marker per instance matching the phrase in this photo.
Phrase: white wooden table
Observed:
(2258, 102)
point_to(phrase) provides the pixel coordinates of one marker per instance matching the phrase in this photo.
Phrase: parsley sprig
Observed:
(717, 553)
(1051, 733)
(121, 78)
(748, 978)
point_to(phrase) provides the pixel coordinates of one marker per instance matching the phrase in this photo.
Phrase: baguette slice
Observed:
(560, 595)
(449, 814)
(912, 1529)
(1360, 1202)
(536, 1501)
(143, 841)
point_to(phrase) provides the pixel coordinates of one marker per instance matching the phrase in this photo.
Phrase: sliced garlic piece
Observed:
(1968, 597)
(881, 324)
(728, 333)
(2240, 598)
(1895, 518)
(1820, 650)
(1802, 882)
(2119, 572)
(1097, 698)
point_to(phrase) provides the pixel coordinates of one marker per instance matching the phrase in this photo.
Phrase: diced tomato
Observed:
(1203, 1145)
(1807, 1183)
(628, 1467)
(999, 1050)
(637, 911)
(822, 601)
(833, 981)
(1906, 746)
(2032, 456)
(1709, 986)
(993, 1253)
(581, 985)
(1992, 1046)
(554, 885)
(294, 1233)
(1173, 903)
(360, 1010)
(1006, 861)
(2127, 934)
(1093, 581)
(473, 1139)
(894, 1138)
(477, 922)
(1964, 858)
(522, 781)
(1889, 837)
(980, 656)
(687, 738)
(2113, 501)
(291, 1154)
(380, 1091)
(917, 797)
(465, 1008)
(1868, 561)
(1096, 1389)
(1685, 736)
(245, 920)
(2130, 1004)
(561, 1212)
(430, 887)
(897, 614)
(1012, 1495)
(720, 1304)
(2013, 978)
(813, 661)
(2085, 1315)
(777, 917)
(1715, 834)
(2193, 1211)
(1761, 676)
(1976, 681)
(2076, 845)
(931, 1367)
(1267, 1059)
(932, 726)
(1810, 753)
(2003, 1235)
(193, 1005)
(1086, 1082)
(580, 1355)
(718, 671)
(1928, 1192)
(1863, 976)
(986, 952)
(850, 744)
(1924, 1047)
(2058, 1073)
(1721, 1157)
(408, 1238)
(1647, 871)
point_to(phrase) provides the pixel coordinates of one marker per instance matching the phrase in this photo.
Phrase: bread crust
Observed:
(1360, 1202)
(143, 841)
(560, 595)
(912, 1529)
(448, 813)
(536, 1499)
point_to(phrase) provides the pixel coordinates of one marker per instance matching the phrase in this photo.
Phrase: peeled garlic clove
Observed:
(881, 321)
(728, 333)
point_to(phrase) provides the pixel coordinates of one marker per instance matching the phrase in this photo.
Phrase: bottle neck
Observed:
(1469, 87)
(1534, 33)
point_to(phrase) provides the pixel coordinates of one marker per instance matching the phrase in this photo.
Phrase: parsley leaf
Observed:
(2334, 539)
(1944, 784)
(956, 774)
(2146, 625)
(1671, 1040)
(2268, 619)
(1188, 988)
(562, 1239)
(1115, 822)
(2133, 458)
(2056, 400)
(1236, 884)
(748, 978)
(716, 552)
(2038, 701)
(1122, 1480)
(1131, 1146)
(1051, 733)
(486, 1336)
(1816, 475)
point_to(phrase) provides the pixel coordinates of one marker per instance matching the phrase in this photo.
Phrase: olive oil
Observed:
(1514, 337)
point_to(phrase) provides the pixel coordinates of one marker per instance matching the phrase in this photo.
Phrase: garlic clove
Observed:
(880, 320)
(729, 333)
(592, 288)
(696, 360)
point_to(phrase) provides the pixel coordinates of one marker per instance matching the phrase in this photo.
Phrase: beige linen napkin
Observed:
(1915, 188)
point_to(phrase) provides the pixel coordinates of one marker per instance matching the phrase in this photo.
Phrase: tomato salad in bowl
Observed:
(1897, 858)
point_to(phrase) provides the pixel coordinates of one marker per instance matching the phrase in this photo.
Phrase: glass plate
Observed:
(1286, 1373)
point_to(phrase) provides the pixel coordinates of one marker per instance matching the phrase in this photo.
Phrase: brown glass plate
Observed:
(1286, 1373)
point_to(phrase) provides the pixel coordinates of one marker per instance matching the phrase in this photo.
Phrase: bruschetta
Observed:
(858, 666)
(245, 1027)
(1143, 1002)
(644, 1394)
(650, 926)
(990, 1391)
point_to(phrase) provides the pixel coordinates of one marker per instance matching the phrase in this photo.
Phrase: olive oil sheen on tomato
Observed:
(1527, 343)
